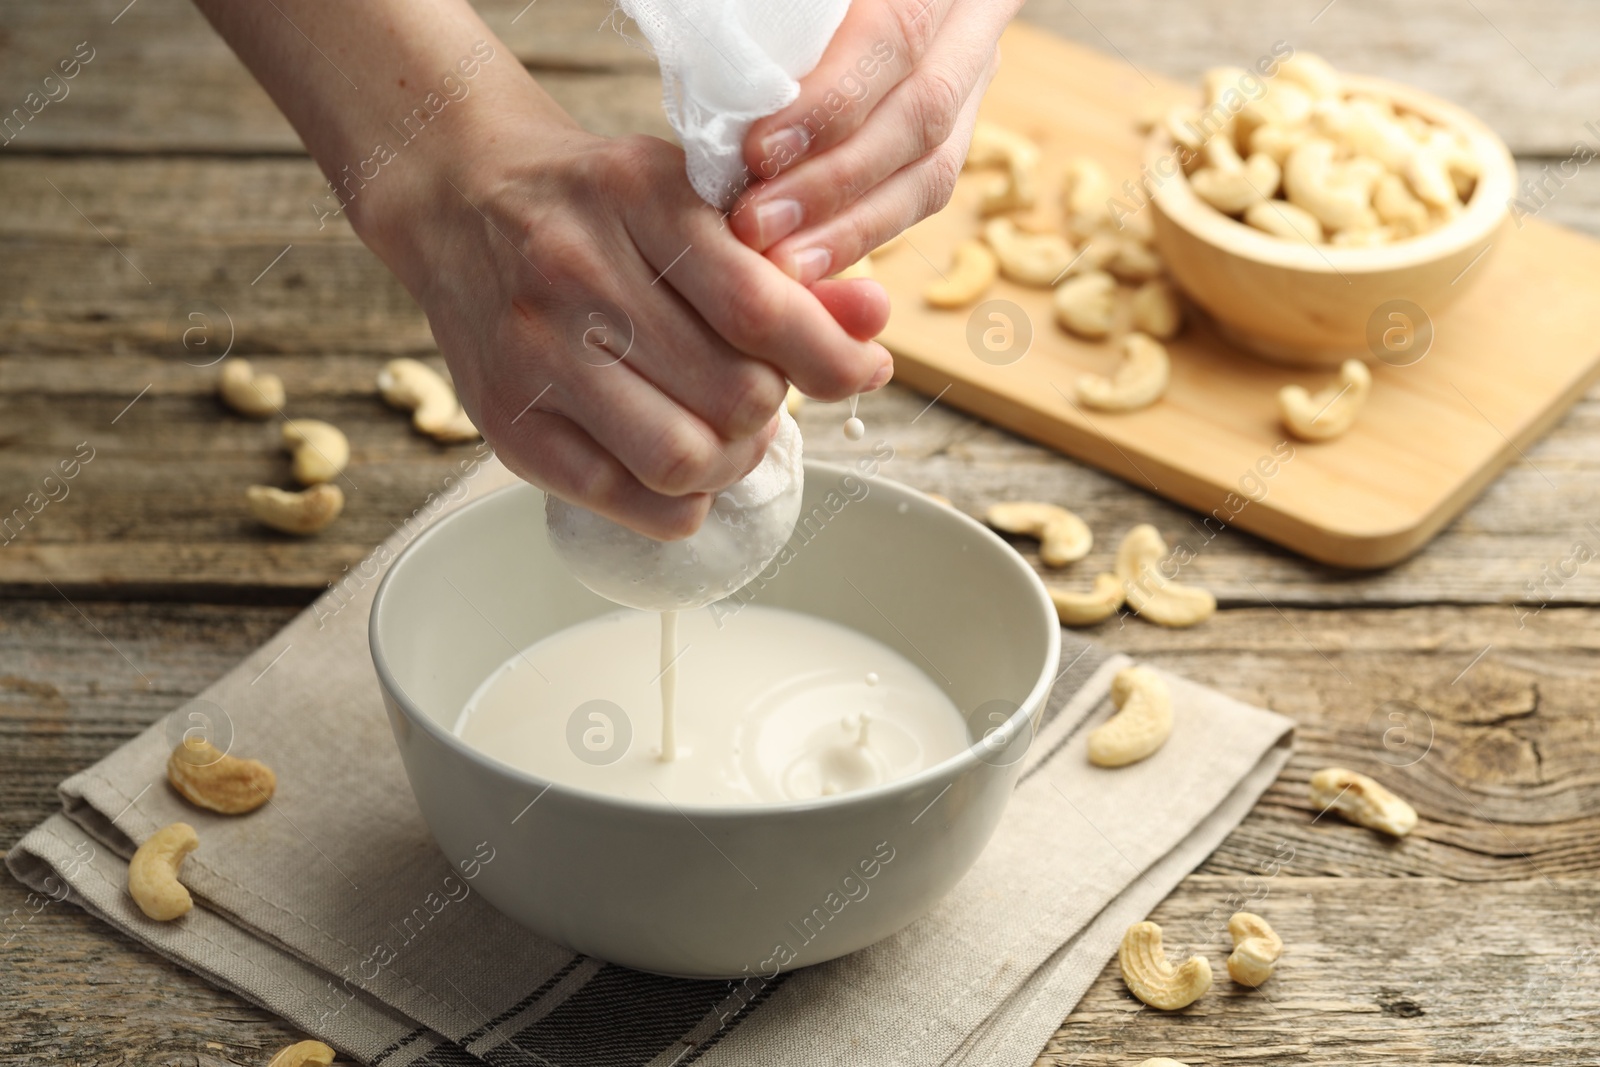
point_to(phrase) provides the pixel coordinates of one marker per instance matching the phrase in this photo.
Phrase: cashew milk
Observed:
(773, 706)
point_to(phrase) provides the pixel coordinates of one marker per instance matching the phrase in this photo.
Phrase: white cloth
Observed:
(725, 64)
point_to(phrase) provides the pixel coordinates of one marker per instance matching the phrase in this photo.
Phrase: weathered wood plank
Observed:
(1375, 971)
(1378, 967)
(221, 201)
(75, 991)
(161, 81)
(1496, 751)
(158, 511)
(173, 231)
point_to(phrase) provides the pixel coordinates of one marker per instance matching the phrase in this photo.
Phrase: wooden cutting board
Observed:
(1506, 361)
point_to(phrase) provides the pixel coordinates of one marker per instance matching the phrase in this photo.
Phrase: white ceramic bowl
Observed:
(715, 891)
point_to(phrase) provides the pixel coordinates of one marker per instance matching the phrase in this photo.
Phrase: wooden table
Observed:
(166, 178)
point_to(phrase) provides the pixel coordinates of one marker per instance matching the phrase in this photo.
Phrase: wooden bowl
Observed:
(1316, 305)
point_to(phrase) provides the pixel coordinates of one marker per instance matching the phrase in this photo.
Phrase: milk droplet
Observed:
(854, 429)
(872, 677)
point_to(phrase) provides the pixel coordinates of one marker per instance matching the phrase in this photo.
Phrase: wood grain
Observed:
(1374, 971)
(1469, 942)
(178, 462)
(1496, 751)
(1519, 67)
(1379, 964)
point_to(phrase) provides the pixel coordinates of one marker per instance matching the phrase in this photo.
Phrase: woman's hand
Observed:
(877, 135)
(613, 341)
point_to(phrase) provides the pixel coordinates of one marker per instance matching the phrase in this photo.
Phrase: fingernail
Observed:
(809, 265)
(780, 148)
(881, 379)
(775, 220)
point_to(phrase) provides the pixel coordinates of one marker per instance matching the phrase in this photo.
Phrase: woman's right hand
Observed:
(613, 340)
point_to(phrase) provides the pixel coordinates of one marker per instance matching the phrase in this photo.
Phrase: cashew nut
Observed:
(1393, 201)
(258, 396)
(1455, 149)
(993, 145)
(1362, 801)
(416, 387)
(1013, 189)
(1139, 380)
(1063, 537)
(1285, 104)
(1086, 609)
(1169, 603)
(1283, 219)
(1086, 304)
(1277, 141)
(320, 451)
(1429, 177)
(1156, 310)
(1180, 124)
(1311, 72)
(153, 872)
(205, 776)
(1256, 948)
(973, 270)
(1152, 595)
(794, 400)
(1143, 721)
(1133, 261)
(1312, 181)
(1364, 173)
(1037, 259)
(1233, 191)
(1220, 151)
(1152, 978)
(303, 1054)
(1330, 412)
(1368, 127)
(304, 512)
(1085, 197)
(1141, 547)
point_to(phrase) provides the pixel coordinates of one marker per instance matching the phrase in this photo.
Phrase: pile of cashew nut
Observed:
(1141, 579)
(1105, 278)
(1257, 948)
(319, 450)
(1324, 149)
(1312, 160)
(1151, 977)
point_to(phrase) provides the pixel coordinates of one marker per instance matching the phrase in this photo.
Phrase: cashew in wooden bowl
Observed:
(1297, 223)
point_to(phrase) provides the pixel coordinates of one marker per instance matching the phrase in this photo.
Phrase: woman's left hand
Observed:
(877, 135)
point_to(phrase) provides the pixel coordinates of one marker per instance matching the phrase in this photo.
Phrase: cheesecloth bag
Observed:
(725, 64)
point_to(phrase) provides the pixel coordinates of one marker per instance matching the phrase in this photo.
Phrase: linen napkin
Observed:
(332, 907)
